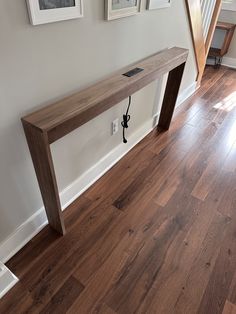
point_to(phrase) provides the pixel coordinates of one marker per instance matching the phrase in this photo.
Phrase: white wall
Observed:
(43, 63)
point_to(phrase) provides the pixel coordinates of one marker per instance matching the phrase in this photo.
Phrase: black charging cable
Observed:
(126, 118)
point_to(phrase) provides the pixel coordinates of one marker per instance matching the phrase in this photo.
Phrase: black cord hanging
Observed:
(126, 118)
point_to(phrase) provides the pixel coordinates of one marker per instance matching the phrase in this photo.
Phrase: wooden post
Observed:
(43, 165)
(170, 97)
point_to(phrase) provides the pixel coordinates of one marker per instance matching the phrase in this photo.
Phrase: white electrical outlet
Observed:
(115, 126)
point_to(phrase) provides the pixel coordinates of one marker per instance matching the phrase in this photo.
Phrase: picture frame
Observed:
(115, 9)
(158, 4)
(49, 11)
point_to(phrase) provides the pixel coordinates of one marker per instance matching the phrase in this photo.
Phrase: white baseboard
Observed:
(229, 62)
(38, 221)
(23, 234)
(7, 280)
(188, 92)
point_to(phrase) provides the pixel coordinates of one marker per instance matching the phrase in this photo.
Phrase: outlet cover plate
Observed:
(115, 126)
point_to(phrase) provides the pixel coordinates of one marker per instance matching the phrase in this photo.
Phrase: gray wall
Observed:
(43, 63)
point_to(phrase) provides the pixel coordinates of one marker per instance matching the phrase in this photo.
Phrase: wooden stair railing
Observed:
(195, 21)
(51, 123)
(201, 45)
(212, 28)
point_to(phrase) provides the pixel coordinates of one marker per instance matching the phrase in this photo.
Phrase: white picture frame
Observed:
(112, 14)
(39, 16)
(158, 4)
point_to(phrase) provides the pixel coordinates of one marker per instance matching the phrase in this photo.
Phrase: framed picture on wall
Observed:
(158, 4)
(115, 9)
(48, 11)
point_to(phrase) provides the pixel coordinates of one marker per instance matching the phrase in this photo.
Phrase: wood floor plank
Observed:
(232, 290)
(118, 275)
(135, 226)
(105, 310)
(218, 288)
(132, 288)
(22, 261)
(18, 300)
(62, 300)
(45, 240)
(215, 160)
(91, 299)
(219, 282)
(200, 272)
(147, 180)
(190, 160)
(177, 265)
(57, 265)
(129, 166)
(230, 162)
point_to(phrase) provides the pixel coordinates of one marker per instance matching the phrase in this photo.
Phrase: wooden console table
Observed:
(50, 123)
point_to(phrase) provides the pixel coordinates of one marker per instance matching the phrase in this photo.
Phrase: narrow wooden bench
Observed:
(52, 122)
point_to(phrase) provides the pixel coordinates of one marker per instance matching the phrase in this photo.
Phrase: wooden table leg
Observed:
(43, 165)
(170, 97)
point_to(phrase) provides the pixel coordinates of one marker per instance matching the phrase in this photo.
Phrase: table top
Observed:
(63, 116)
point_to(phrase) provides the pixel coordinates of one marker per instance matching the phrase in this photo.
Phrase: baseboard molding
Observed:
(23, 234)
(188, 92)
(7, 280)
(229, 62)
(32, 226)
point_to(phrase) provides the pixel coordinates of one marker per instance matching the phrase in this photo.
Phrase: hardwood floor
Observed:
(156, 234)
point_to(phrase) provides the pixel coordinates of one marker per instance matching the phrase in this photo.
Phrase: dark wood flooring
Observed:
(156, 234)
